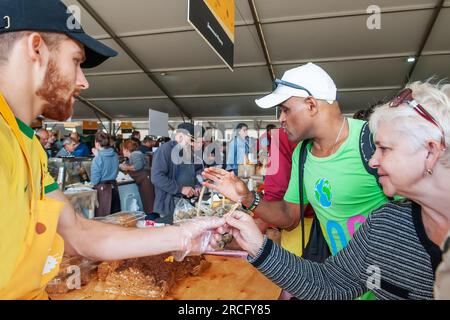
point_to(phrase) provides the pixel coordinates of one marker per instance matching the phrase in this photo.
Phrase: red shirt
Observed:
(279, 168)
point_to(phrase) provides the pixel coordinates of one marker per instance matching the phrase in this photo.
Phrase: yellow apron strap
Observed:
(12, 122)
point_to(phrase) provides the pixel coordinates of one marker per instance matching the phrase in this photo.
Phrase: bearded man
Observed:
(41, 56)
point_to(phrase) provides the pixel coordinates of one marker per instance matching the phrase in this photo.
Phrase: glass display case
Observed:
(70, 171)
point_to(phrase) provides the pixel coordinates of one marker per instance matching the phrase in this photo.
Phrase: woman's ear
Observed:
(434, 152)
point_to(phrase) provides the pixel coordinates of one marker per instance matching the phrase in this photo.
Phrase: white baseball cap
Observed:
(308, 80)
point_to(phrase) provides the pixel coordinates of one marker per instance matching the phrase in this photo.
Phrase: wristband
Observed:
(256, 201)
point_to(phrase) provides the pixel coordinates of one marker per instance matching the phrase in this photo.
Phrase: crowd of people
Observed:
(160, 180)
(378, 190)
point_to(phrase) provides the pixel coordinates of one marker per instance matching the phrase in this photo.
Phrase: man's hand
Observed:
(197, 191)
(228, 185)
(188, 192)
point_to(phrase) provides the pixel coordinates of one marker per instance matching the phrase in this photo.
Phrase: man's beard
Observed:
(55, 92)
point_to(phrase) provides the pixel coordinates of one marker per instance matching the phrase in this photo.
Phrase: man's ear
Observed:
(312, 106)
(36, 48)
(434, 152)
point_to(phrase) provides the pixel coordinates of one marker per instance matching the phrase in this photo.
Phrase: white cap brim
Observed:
(272, 100)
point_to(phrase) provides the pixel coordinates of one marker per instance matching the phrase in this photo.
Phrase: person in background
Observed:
(68, 148)
(81, 149)
(104, 170)
(147, 145)
(53, 144)
(42, 135)
(44, 138)
(138, 168)
(112, 143)
(173, 171)
(395, 252)
(198, 151)
(136, 137)
(240, 149)
(118, 144)
(266, 138)
(58, 145)
(215, 155)
(163, 140)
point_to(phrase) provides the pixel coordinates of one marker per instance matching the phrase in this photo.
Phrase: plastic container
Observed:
(125, 219)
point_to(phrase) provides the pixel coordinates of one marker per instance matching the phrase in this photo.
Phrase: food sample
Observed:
(186, 211)
(148, 277)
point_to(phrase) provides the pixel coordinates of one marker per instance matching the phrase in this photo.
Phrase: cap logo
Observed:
(8, 22)
(73, 21)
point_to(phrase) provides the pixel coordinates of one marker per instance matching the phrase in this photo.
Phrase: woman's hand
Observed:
(245, 231)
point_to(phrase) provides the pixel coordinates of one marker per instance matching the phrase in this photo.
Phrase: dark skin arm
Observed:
(281, 214)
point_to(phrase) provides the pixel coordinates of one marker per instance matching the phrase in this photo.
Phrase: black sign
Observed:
(205, 22)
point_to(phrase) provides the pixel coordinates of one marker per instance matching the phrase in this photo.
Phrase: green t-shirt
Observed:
(339, 188)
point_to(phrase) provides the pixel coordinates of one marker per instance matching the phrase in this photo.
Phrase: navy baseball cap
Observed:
(188, 128)
(51, 16)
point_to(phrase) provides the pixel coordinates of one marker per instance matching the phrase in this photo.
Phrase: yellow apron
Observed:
(43, 248)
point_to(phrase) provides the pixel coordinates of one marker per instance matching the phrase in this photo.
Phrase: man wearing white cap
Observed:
(336, 182)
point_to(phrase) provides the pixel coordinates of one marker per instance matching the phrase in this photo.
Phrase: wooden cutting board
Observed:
(228, 278)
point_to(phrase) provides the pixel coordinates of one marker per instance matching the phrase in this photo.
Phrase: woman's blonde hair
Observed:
(435, 98)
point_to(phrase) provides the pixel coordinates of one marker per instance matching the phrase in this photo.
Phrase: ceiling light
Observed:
(163, 73)
(411, 59)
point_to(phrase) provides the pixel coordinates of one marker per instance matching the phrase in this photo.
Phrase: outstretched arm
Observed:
(340, 277)
(282, 214)
(100, 241)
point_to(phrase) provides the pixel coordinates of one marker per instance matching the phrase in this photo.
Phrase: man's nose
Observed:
(82, 82)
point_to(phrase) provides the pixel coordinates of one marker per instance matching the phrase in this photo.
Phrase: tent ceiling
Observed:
(367, 65)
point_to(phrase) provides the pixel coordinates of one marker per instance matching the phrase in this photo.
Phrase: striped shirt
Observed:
(390, 255)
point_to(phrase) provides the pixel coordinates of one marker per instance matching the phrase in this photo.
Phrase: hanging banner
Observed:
(214, 21)
(90, 127)
(126, 127)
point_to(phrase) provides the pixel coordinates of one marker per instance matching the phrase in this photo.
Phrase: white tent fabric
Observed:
(367, 65)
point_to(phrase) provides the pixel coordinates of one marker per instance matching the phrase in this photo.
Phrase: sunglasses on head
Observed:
(279, 82)
(406, 97)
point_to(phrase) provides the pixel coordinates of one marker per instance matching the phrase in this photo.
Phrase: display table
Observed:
(228, 278)
(84, 201)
